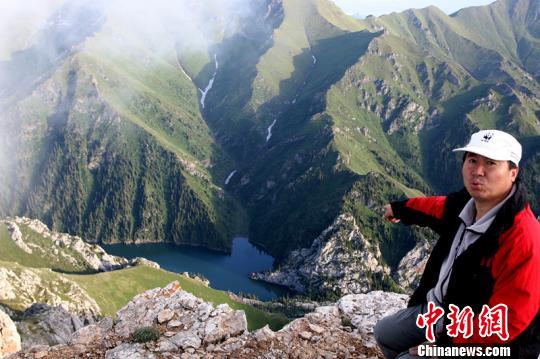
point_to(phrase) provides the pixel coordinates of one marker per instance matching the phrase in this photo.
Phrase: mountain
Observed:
(269, 117)
(118, 130)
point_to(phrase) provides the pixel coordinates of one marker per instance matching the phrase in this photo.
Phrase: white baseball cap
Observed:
(494, 144)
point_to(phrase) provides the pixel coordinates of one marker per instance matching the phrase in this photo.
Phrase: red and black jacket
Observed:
(502, 266)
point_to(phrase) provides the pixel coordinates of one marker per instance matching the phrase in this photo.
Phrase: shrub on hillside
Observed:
(145, 334)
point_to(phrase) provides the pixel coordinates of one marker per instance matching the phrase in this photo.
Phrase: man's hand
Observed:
(389, 214)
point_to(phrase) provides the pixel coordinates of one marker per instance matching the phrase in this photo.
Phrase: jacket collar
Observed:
(504, 220)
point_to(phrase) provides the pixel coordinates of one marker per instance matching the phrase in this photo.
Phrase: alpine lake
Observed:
(225, 272)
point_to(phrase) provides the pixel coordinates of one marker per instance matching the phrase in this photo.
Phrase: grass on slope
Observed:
(113, 290)
(10, 252)
(290, 40)
(334, 15)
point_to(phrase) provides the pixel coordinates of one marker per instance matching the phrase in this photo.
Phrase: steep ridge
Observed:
(118, 128)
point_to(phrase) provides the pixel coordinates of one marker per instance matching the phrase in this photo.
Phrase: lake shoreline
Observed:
(225, 271)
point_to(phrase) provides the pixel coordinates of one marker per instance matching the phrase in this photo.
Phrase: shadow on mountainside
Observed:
(292, 199)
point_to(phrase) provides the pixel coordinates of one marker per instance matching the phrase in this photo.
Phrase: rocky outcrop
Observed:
(197, 276)
(412, 266)
(45, 325)
(65, 248)
(72, 249)
(341, 260)
(365, 310)
(191, 328)
(10, 341)
(176, 309)
(32, 285)
(17, 237)
(140, 261)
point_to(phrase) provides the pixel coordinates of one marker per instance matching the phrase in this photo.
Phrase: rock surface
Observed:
(365, 310)
(197, 329)
(412, 266)
(17, 237)
(10, 341)
(45, 325)
(39, 285)
(341, 260)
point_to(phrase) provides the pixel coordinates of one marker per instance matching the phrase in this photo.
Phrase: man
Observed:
(488, 253)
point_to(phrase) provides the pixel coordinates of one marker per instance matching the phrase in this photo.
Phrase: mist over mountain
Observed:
(191, 121)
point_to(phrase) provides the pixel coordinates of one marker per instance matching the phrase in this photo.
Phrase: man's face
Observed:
(487, 181)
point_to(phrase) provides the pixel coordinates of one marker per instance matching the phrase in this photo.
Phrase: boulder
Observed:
(42, 324)
(224, 323)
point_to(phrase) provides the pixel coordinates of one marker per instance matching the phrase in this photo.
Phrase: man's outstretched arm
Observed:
(422, 211)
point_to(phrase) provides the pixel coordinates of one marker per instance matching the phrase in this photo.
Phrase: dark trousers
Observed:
(398, 332)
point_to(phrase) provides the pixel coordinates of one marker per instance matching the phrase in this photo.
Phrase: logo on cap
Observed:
(487, 137)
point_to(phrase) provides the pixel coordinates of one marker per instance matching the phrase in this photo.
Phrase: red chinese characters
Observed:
(460, 322)
(494, 321)
(491, 321)
(429, 320)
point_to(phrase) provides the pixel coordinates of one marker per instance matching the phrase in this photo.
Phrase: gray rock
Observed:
(143, 310)
(316, 329)
(186, 340)
(106, 324)
(264, 333)
(165, 315)
(138, 261)
(45, 325)
(17, 237)
(412, 266)
(165, 345)
(224, 323)
(91, 334)
(365, 310)
(31, 285)
(129, 351)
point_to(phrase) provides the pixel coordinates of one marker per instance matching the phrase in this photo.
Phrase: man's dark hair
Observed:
(511, 164)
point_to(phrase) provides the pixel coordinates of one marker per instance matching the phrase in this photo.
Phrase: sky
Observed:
(381, 7)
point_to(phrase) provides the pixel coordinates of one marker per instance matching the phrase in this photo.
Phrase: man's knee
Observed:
(380, 329)
(398, 332)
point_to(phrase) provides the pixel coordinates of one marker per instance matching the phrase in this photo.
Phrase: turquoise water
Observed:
(225, 272)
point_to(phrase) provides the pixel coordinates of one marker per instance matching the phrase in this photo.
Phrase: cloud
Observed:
(37, 35)
(21, 20)
(191, 23)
